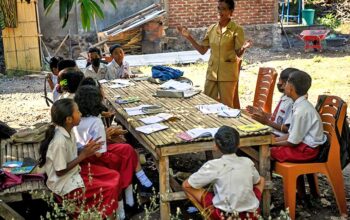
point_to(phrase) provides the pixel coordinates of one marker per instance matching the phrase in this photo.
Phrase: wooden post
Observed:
(264, 170)
(164, 187)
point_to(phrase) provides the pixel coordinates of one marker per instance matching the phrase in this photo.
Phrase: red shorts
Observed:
(300, 153)
(215, 213)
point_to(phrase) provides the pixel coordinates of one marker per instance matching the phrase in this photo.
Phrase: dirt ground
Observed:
(22, 104)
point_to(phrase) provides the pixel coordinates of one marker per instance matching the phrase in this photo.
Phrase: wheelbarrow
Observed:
(312, 39)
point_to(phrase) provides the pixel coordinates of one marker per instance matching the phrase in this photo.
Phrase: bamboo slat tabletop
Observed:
(184, 109)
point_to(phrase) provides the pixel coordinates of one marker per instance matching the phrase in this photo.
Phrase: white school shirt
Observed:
(66, 95)
(284, 111)
(55, 93)
(306, 125)
(233, 178)
(114, 71)
(62, 150)
(101, 72)
(90, 127)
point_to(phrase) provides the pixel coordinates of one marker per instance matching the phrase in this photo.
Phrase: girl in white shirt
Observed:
(119, 156)
(90, 187)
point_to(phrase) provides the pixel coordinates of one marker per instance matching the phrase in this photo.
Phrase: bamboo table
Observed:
(165, 143)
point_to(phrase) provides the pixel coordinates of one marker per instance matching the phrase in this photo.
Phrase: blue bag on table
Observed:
(165, 73)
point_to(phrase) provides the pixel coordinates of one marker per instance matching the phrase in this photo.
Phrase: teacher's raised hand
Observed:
(183, 31)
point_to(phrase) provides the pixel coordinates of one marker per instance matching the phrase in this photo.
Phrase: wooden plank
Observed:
(164, 187)
(3, 151)
(7, 212)
(264, 170)
(36, 151)
(174, 196)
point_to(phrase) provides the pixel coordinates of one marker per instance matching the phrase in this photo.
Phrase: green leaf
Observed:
(48, 5)
(85, 14)
(97, 10)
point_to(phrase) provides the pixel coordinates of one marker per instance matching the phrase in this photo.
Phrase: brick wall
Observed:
(202, 13)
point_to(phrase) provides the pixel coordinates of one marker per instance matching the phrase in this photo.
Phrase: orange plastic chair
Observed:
(332, 115)
(265, 85)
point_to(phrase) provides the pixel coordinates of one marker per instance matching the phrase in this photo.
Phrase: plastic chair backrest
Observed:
(332, 112)
(265, 85)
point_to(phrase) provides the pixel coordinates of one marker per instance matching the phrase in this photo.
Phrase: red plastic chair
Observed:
(332, 115)
(265, 86)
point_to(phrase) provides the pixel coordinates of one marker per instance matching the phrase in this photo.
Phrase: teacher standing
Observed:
(226, 41)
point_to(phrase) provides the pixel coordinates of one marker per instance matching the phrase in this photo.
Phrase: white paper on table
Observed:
(156, 118)
(136, 110)
(148, 129)
(122, 82)
(278, 133)
(101, 81)
(212, 108)
(172, 84)
(230, 113)
(117, 86)
(202, 132)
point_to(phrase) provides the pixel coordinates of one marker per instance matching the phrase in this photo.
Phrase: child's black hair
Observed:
(70, 79)
(65, 64)
(89, 100)
(95, 50)
(227, 139)
(301, 82)
(286, 73)
(113, 47)
(60, 110)
(54, 62)
(90, 81)
(230, 3)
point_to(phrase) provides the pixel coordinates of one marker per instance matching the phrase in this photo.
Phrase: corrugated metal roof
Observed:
(135, 20)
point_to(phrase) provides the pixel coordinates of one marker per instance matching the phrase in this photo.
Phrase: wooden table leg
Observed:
(264, 170)
(164, 187)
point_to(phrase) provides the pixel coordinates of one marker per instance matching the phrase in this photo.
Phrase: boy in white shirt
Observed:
(96, 70)
(236, 182)
(306, 129)
(280, 118)
(118, 68)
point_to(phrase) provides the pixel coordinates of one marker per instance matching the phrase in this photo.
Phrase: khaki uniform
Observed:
(222, 73)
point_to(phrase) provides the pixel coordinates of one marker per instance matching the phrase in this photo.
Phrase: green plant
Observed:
(88, 8)
(330, 21)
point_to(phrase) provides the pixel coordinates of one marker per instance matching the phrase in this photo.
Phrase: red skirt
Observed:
(100, 193)
(215, 213)
(120, 157)
(300, 153)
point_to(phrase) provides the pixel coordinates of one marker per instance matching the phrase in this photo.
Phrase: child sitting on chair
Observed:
(306, 129)
(121, 157)
(236, 182)
(118, 68)
(52, 78)
(70, 79)
(280, 118)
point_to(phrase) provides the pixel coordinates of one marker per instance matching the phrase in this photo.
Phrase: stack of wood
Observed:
(129, 31)
(130, 40)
